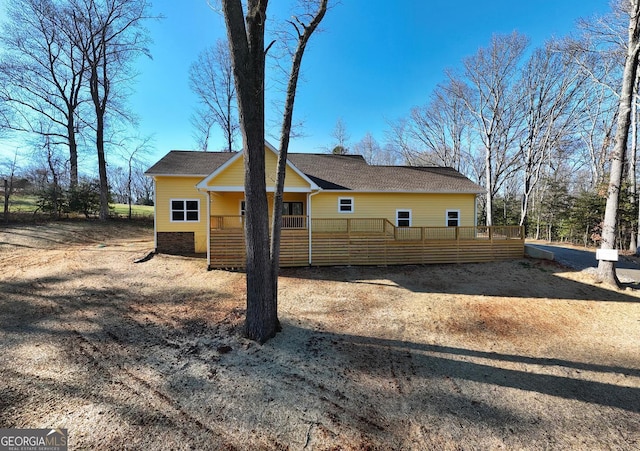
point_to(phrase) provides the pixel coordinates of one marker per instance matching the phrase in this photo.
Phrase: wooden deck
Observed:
(340, 241)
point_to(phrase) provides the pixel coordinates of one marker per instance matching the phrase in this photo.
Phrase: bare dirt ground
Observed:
(512, 355)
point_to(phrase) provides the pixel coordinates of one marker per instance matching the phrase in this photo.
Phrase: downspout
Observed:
(309, 223)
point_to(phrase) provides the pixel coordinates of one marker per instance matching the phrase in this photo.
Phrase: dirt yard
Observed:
(514, 355)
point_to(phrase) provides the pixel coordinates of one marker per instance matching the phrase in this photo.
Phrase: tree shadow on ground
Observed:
(517, 278)
(151, 365)
(372, 355)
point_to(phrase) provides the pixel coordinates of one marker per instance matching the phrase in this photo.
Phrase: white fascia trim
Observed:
(240, 189)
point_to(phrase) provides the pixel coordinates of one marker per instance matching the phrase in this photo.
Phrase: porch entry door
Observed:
(292, 213)
(292, 209)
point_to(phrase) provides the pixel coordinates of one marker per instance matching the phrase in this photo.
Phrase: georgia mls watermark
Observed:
(33, 440)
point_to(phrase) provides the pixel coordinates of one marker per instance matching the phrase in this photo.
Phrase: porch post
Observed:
(208, 229)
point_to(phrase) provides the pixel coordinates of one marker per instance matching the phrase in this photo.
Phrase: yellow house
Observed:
(337, 210)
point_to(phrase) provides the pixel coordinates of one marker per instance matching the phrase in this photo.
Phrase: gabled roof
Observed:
(238, 155)
(331, 172)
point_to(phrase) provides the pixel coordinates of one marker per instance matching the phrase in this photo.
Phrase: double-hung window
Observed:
(403, 218)
(345, 204)
(185, 210)
(453, 218)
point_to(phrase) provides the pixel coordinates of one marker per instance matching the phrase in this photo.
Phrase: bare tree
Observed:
(9, 175)
(211, 79)
(369, 148)
(596, 123)
(442, 126)
(110, 34)
(399, 141)
(341, 138)
(490, 75)
(246, 42)
(245, 33)
(42, 73)
(304, 24)
(132, 151)
(375, 154)
(606, 269)
(633, 172)
(549, 101)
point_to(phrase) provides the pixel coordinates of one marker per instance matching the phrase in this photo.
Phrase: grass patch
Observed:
(22, 204)
(136, 210)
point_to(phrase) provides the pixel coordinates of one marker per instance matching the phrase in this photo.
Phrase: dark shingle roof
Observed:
(351, 172)
(189, 162)
(333, 172)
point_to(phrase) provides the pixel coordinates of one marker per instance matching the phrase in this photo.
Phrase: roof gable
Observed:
(230, 175)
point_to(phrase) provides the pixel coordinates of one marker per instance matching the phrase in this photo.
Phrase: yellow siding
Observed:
(427, 210)
(233, 175)
(168, 188)
(228, 204)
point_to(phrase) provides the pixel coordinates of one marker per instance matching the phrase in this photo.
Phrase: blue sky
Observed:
(372, 62)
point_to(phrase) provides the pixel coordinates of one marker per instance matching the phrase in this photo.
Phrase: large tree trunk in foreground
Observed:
(606, 269)
(248, 56)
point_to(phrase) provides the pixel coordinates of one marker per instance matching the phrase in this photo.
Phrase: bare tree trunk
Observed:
(102, 169)
(489, 187)
(633, 188)
(6, 201)
(276, 225)
(73, 150)
(129, 183)
(55, 199)
(606, 269)
(248, 55)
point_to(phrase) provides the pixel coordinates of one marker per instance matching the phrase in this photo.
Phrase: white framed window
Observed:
(345, 204)
(185, 210)
(403, 218)
(453, 218)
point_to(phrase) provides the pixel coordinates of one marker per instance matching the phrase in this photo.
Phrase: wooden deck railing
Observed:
(237, 222)
(371, 241)
(381, 226)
